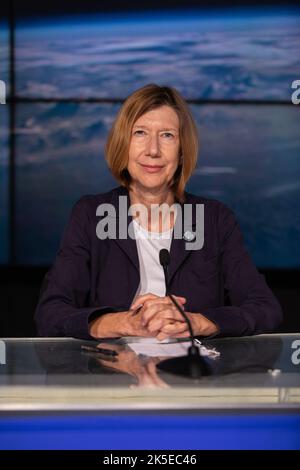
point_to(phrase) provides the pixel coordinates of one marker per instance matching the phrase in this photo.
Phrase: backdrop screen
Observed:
(4, 177)
(250, 151)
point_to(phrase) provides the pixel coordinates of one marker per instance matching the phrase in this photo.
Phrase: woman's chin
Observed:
(153, 185)
(150, 182)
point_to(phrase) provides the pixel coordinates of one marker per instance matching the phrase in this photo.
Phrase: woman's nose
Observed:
(153, 146)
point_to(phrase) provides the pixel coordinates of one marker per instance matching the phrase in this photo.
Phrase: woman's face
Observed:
(154, 148)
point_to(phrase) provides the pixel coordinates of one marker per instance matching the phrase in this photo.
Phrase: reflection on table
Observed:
(47, 373)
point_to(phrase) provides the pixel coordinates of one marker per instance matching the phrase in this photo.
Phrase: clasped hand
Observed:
(158, 317)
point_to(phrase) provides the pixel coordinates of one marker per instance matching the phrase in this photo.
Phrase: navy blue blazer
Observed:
(91, 277)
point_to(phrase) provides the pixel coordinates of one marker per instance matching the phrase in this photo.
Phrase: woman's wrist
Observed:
(109, 325)
(202, 326)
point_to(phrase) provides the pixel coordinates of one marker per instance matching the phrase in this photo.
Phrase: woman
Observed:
(108, 282)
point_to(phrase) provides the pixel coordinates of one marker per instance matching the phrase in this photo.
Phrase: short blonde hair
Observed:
(138, 103)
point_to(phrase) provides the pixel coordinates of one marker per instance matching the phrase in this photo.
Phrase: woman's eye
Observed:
(139, 132)
(168, 135)
(165, 135)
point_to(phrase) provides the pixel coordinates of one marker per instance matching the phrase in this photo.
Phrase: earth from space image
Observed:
(249, 154)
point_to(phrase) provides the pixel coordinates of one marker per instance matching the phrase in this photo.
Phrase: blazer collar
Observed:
(128, 244)
(178, 251)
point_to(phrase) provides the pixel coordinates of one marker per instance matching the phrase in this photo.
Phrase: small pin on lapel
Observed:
(188, 236)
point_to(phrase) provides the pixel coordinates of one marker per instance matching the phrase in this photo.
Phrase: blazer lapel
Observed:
(178, 251)
(128, 245)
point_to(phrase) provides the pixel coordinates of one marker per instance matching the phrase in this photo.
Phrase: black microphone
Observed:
(191, 365)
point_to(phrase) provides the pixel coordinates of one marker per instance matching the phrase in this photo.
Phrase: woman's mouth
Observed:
(152, 168)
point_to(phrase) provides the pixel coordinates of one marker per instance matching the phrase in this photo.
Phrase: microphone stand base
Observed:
(187, 366)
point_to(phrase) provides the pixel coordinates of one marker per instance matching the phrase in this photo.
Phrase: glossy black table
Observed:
(56, 395)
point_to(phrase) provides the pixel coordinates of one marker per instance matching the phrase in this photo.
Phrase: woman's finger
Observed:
(161, 335)
(141, 299)
(159, 320)
(156, 325)
(175, 328)
(185, 334)
(166, 324)
(161, 312)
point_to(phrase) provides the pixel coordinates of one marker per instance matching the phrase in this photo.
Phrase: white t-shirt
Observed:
(149, 244)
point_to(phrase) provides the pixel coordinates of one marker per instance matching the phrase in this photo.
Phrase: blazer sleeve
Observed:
(62, 308)
(254, 309)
